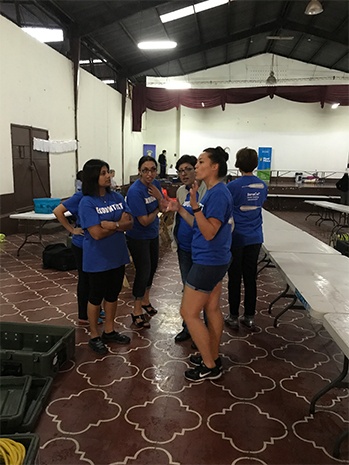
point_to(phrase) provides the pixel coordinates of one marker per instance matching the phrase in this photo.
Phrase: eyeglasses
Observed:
(148, 170)
(188, 169)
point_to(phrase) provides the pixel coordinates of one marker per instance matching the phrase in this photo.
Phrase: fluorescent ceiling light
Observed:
(177, 85)
(87, 62)
(335, 105)
(190, 10)
(108, 81)
(208, 5)
(157, 45)
(44, 34)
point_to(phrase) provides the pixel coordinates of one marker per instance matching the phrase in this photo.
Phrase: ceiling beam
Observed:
(98, 22)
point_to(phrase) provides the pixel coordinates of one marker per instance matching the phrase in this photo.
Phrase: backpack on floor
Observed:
(59, 257)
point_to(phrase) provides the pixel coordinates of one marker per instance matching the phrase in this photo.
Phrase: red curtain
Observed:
(164, 99)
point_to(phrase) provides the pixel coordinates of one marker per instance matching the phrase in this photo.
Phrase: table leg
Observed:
(28, 234)
(280, 296)
(335, 383)
(338, 443)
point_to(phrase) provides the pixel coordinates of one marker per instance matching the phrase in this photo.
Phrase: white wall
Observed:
(162, 129)
(303, 136)
(36, 89)
(99, 123)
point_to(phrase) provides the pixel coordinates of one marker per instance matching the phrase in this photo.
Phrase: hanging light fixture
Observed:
(314, 7)
(271, 81)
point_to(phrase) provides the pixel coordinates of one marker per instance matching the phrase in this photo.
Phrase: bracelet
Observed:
(117, 226)
(196, 210)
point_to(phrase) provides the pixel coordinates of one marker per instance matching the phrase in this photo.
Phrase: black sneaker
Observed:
(115, 337)
(202, 372)
(97, 345)
(197, 361)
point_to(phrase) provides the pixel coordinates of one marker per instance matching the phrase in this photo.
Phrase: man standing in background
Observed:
(163, 164)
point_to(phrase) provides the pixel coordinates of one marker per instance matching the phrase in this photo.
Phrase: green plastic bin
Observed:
(31, 442)
(37, 395)
(34, 349)
(13, 399)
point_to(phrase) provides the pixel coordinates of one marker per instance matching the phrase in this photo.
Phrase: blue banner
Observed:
(149, 150)
(264, 163)
(264, 158)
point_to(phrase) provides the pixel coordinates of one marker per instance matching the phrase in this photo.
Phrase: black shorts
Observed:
(105, 285)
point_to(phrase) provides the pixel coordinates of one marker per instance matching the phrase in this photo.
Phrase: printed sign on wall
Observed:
(149, 150)
(264, 163)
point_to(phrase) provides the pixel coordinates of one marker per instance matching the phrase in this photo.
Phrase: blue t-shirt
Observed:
(249, 193)
(72, 205)
(141, 203)
(183, 231)
(217, 203)
(110, 252)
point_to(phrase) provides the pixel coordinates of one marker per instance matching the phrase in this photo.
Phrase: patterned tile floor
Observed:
(133, 406)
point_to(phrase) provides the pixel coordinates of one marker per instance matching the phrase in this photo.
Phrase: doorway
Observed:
(31, 168)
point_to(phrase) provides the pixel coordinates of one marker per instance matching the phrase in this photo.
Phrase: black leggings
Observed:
(243, 265)
(145, 256)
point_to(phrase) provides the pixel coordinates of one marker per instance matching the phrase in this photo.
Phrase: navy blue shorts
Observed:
(204, 278)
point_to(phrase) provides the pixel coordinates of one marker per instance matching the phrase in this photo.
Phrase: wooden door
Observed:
(31, 168)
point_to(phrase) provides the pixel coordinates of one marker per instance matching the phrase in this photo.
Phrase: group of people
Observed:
(217, 229)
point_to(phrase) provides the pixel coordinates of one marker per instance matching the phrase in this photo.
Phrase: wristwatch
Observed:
(196, 210)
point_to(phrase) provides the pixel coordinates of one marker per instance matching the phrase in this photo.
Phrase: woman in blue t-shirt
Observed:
(144, 198)
(211, 257)
(104, 217)
(249, 193)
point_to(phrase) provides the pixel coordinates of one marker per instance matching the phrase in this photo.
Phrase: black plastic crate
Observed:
(31, 443)
(34, 349)
(13, 399)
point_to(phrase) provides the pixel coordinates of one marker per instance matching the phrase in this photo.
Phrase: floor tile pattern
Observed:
(133, 405)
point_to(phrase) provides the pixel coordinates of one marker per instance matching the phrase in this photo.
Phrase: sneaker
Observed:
(232, 322)
(102, 313)
(202, 372)
(115, 337)
(197, 361)
(97, 345)
(247, 321)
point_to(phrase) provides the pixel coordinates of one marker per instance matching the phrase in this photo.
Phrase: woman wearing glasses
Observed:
(144, 198)
(182, 231)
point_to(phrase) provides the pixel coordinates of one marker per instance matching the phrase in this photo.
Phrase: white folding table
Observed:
(319, 281)
(40, 219)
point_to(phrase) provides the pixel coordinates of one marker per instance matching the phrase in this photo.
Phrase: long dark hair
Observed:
(220, 156)
(91, 172)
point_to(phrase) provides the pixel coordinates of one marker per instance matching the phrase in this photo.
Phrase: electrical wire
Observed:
(11, 452)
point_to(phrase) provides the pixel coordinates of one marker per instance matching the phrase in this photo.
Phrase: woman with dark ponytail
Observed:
(212, 226)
